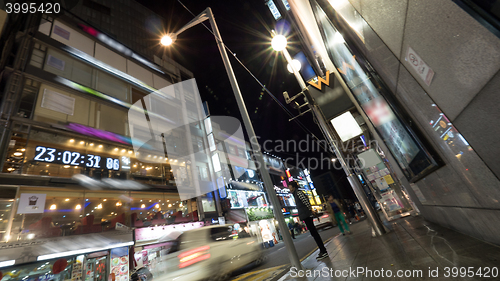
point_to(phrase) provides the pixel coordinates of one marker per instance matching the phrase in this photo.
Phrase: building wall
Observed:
(464, 194)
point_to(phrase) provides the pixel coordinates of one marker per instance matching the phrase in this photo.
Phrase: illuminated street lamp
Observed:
(268, 185)
(167, 40)
(332, 138)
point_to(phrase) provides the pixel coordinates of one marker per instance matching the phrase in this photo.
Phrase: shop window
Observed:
(152, 209)
(208, 202)
(16, 153)
(5, 212)
(43, 271)
(56, 213)
(102, 211)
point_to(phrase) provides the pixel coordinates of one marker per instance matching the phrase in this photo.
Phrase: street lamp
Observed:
(268, 185)
(332, 137)
(167, 40)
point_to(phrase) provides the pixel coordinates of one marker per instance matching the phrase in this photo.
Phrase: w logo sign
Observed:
(321, 80)
(175, 143)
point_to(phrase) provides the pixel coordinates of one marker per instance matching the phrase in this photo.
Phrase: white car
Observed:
(324, 220)
(211, 252)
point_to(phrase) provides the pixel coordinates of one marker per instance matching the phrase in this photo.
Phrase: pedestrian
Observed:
(352, 213)
(292, 229)
(306, 214)
(338, 216)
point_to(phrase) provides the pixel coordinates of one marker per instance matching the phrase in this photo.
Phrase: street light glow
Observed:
(296, 64)
(279, 43)
(166, 40)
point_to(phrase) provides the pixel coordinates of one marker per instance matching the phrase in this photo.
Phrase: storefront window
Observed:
(5, 212)
(44, 212)
(41, 271)
(102, 211)
(154, 209)
(208, 202)
(15, 154)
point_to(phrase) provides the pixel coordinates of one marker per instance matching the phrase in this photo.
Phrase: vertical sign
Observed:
(423, 70)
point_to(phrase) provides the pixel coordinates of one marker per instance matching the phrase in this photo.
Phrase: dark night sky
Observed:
(245, 28)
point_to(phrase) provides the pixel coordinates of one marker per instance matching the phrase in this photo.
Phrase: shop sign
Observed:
(31, 203)
(163, 233)
(120, 263)
(222, 220)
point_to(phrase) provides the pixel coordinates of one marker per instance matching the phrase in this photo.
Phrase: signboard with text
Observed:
(31, 203)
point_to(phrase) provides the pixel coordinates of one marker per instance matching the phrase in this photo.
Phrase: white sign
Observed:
(31, 203)
(222, 220)
(346, 126)
(423, 70)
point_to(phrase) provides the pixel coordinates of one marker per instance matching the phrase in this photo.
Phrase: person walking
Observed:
(292, 229)
(339, 217)
(306, 214)
(352, 213)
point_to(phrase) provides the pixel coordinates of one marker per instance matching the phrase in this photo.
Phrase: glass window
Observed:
(154, 208)
(221, 233)
(15, 154)
(110, 85)
(5, 212)
(41, 271)
(102, 210)
(208, 203)
(60, 216)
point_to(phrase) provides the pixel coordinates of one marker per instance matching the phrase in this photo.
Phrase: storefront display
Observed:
(244, 199)
(381, 179)
(268, 231)
(119, 263)
(89, 267)
(96, 267)
(40, 271)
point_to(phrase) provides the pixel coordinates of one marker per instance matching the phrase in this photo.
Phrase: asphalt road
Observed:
(278, 255)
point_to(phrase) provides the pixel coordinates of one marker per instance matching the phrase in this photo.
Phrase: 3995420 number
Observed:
(31, 8)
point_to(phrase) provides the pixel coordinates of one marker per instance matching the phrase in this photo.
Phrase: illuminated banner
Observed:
(157, 234)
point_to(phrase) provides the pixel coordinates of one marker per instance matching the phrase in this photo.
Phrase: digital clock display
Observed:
(66, 157)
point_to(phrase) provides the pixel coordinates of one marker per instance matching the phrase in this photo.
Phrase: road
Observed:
(278, 255)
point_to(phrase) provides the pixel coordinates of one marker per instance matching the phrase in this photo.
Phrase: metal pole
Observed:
(332, 137)
(268, 185)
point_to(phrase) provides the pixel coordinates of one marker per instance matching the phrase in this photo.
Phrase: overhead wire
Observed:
(290, 114)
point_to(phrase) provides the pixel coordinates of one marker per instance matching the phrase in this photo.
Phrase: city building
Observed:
(78, 184)
(428, 109)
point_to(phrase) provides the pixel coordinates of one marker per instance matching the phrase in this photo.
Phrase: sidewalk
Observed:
(415, 247)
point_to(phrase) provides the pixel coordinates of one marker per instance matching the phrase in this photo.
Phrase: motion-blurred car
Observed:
(211, 252)
(324, 220)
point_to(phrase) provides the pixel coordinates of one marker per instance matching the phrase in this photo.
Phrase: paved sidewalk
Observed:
(414, 247)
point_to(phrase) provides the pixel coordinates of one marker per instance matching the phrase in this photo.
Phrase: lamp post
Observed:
(268, 185)
(279, 43)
